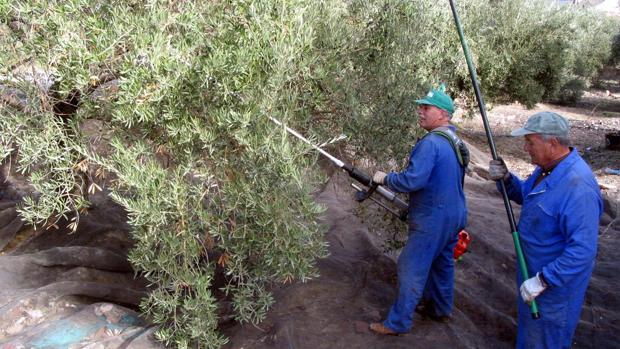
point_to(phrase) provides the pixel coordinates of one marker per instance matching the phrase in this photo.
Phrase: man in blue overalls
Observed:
(437, 212)
(558, 227)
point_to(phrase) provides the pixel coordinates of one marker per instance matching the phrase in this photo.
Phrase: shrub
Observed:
(529, 49)
(571, 92)
(615, 50)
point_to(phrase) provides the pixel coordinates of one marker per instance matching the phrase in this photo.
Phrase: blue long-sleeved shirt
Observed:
(433, 179)
(559, 220)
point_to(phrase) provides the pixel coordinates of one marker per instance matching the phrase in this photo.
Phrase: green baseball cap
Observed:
(545, 122)
(438, 98)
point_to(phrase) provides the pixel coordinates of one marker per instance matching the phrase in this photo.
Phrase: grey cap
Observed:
(545, 122)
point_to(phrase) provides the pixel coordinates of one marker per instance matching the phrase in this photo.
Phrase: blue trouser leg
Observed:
(560, 309)
(440, 283)
(414, 264)
(548, 332)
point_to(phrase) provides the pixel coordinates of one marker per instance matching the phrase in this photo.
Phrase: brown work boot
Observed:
(422, 308)
(427, 310)
(444, 319)
(378, 328)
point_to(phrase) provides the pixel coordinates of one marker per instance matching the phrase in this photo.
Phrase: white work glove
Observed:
(498, 170)
(379, 177)
(532, 288)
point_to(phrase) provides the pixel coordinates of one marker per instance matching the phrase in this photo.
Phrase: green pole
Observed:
(485, 121)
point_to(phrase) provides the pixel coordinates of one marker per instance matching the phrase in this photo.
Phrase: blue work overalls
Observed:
(437, 212)
(558, 228)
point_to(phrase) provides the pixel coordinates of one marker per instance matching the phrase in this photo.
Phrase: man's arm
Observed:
(514, 188)
(418, 171)
(579, 222)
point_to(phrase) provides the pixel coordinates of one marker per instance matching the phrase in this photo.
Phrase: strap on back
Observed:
(459, 147)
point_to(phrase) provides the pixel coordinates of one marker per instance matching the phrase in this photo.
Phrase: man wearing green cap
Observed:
(437, 212)
(558, 228)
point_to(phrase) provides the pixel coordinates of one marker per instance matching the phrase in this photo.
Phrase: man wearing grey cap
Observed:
(558, 227)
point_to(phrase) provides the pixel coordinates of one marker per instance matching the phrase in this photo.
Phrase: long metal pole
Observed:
(352, 171)
(485, 121)
(335, 160)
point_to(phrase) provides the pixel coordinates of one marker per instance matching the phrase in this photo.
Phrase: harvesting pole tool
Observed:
(361, 177)
(483, 113)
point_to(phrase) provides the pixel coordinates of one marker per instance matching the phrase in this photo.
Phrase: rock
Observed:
(35, 75)
(18, 26)
(102, 309)
(13, 97)
(34, 313)
(106, 92)
(361, 327)
(5, 30)
(606, 186)
(111, 313)
(16, 328)
(374, 315)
